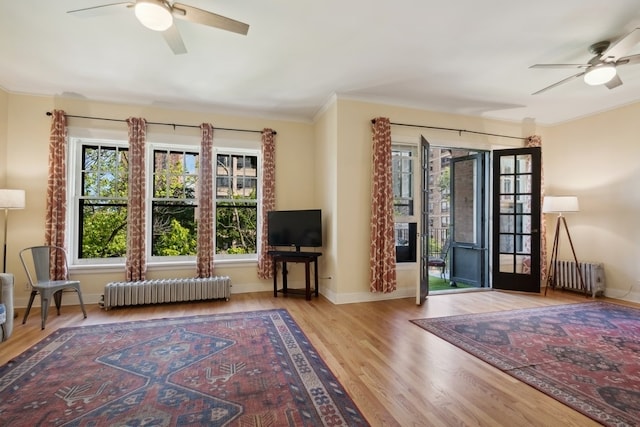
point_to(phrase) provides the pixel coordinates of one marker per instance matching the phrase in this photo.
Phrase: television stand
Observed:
(298, 257)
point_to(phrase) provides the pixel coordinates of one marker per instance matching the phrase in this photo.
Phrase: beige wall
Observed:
(4, 105)
(597, 159)
(27, 158)
(326, 182)
(354, 182)
(327, 165)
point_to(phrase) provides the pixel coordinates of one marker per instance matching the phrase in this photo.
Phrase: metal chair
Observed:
(37, 262)
(441, 261)
(6, 305)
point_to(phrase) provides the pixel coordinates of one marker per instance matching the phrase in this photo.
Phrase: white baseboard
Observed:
(632, 295)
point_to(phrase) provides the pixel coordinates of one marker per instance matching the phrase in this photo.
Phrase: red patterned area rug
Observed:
(240, 369)
(585, 355)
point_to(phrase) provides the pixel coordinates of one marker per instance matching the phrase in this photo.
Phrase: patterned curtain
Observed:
(206, 218)
(536, 141)
(268, 193)
(57, 191)
(136, 266)
(383, 254)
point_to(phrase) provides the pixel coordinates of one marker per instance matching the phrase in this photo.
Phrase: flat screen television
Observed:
(299, 228)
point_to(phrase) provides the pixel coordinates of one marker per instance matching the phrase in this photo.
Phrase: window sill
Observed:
(159, 266)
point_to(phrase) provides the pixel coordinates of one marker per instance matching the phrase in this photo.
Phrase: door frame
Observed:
(422, 290)
(475, 251)
(509, 224)
(422, 274)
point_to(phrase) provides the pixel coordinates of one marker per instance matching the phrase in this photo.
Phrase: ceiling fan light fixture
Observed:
(154, 14)
(600, 74)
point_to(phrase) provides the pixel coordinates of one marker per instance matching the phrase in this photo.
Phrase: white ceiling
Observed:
(462, 56)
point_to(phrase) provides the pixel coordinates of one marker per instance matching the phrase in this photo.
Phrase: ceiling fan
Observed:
(158, 15)
(601, 69)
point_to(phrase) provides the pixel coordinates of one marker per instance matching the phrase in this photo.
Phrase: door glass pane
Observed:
(523, 224)
(524, 204)
(526, 224)
(523, 163)
(506, 184)
(518, 223)
(507, 204)
(526, 245)
(507, 224)
(507, 263)
(507, 164)
(523, 264)
(507, 243)
(524, 184)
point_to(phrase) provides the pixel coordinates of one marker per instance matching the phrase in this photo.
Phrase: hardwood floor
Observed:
(397, 373)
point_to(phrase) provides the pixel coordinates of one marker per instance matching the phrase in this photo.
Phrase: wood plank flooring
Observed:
(397, 373)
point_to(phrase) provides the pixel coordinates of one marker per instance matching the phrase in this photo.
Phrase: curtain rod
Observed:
(175, 125)
(460, 131)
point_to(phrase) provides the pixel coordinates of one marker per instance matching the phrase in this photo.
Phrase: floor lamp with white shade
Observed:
(561, 205)
(9, 199)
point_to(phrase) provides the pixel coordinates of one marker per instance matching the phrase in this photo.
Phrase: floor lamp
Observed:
(9, 199)
(560, 205)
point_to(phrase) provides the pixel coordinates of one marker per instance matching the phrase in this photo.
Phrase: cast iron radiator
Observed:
(592, 273)
(165, 290)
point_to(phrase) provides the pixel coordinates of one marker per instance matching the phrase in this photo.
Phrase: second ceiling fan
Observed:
(158, 15)
(601, 69)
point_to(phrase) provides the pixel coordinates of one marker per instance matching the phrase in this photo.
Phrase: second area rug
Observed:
(240, 369)
(585, 355)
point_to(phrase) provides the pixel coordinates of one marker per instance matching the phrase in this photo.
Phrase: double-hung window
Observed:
(236, 182)
(98, 184)
(100, 201)
(174, 201)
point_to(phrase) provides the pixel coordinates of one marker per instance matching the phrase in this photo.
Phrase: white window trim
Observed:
(415, 158)
(241, 151)
(73, 193)
(150, 147)
(416, 167)
(78, 137)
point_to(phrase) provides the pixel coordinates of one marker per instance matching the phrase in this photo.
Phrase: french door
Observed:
(464, 184)
(516, 219)
(423, 280)
(469, 226)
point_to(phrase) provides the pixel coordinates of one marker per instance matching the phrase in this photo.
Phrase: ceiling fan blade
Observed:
(622, 46)
(210, 19)
(626, 60)
(174, 40)
(104, 9)
(559, 83)
(560, 66)
(614, 82)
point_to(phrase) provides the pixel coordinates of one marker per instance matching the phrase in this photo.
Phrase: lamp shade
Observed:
(560, 204)
(600, 74)
(154, 14)
(12, 199)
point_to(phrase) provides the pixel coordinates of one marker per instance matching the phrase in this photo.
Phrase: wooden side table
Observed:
(297, 257)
